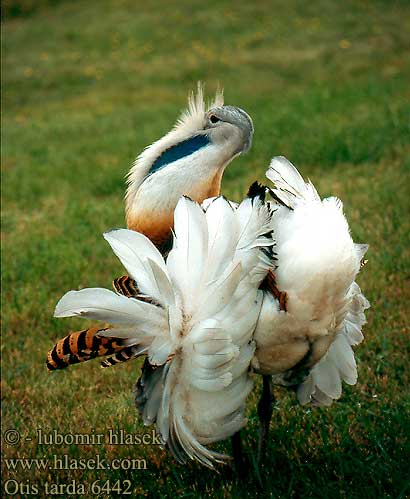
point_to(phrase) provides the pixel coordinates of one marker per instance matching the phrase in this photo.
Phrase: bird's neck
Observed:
(151, 210)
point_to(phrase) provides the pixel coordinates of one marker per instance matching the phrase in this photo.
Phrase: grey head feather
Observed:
(237, 117)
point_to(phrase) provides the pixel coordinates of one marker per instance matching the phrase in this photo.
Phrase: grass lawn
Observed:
(86, 85)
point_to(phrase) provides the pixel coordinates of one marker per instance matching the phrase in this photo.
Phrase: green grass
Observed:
(86, 85)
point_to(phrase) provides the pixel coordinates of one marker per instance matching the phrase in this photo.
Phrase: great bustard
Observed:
(304, 310)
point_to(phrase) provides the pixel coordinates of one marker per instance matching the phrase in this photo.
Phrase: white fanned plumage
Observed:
(198, 330)
(317, 263)
(199, 315)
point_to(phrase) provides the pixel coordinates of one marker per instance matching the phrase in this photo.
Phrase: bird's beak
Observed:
(247, 146)
(248, 131)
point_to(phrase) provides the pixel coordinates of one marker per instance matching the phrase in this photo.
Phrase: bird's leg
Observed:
(237, 451)
(265, 409)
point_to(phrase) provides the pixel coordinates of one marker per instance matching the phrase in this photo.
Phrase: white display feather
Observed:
(317, 263)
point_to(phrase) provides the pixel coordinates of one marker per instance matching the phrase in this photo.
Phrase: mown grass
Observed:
(86, 85)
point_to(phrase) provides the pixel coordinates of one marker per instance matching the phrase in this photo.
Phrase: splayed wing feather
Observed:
(104, 305)
(289, 184)
(134, 250)
(204, 389)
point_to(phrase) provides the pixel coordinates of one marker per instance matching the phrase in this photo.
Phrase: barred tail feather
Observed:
(126, 286)
(81, 346)
(124, 355)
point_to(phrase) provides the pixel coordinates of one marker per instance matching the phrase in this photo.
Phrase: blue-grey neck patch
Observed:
(178, 151)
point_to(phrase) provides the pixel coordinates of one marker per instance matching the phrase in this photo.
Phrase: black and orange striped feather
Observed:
(126, 286)
(84, 345)
(123, 355)
(81, 346)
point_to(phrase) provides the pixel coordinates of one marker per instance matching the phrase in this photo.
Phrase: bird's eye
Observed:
(214, 119)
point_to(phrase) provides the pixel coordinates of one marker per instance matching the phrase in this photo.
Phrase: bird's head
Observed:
(229, 126)
(189, 160)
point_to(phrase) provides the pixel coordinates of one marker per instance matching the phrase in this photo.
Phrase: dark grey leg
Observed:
(265, 409)
(237, 450)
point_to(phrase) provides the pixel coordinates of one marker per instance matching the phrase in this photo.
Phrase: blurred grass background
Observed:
(86, 85)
